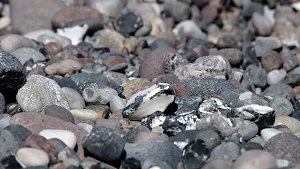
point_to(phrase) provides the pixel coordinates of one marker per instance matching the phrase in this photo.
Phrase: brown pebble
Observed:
(41, 143)
(271, 60)
(53, 48)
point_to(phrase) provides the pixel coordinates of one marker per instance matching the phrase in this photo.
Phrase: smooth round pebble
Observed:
(268, 133)
(276, 76)
(84, 115)
(281, 106)
(65, 136)
(74, 99)
(32, 157)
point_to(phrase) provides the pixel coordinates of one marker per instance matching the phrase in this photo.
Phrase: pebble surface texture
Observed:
(150, 84)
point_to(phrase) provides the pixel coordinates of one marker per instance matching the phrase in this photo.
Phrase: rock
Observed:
(24, 54)
(63, 67)
(148, 101)
(4, 121)
(251, 7)
(279, 90)
(38, 122)
(110, 148)
(246, 129)
(65, 136)
(249, 55)
(142, 136)
(36, 33)
(209, 13)
(134, 84)
(39, 92)
(257, 75)
(30, 15)
(32, 157)
(255, 159)
(257, 139)
(189, 29)
(68, 82)
(218, 164)
(178, 10)
(116, 104)
(53, 37)
(12, 138)
(154, 148)
(160, 61)
(262, 25)
(74, 99)
(84, 115)
(284, 146)
(276, 76)
(148, 163)
(59, 112)
(160, 42)
(289, 60)
(83, 80)
(69, 157)
(233, 55)
(268, 133)
(53, 48)
(112, 61)
(74, 33)
(227, 41)
(281, 106)
(41, 143)
(102, 110)
(73, 13)
(107, 8)
(128, 24)
(210, 137)
(226, 151)
(208, 66)
(292, 123)
(265, 44)
(101, 95)
(11, 72)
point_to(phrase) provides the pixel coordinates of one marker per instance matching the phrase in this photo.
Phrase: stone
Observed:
(289, 60)
(276, 76)
(68, 82)
(102, 110)
(292, 123)
(128, 24)
(218, 164)
(37, 122)
(209, 13)
(84, 115)
(4, 121)
(148, 101)
(12, 138)
(41, 143)
(83, 80)
(66, 136)
(279, 90)
(155, 148)
(32, 157)
(116, 104)
(69, 157)
(284, 146)
(233, 55)
(11, 72)
(142, 136)
(36, 33)
(160, 61)
(189, 29)
(134, 84)
(262, 25)
(112, 61)
(30, 15)
(268, 133)
(208, 66)
(85, 126)
(25, 54)
(160, 42)
(178, 10)
(257, 75)
(226, 151)
(227, 41)
(101, 95)
(257, 139)
(73, 13)
(49, 37)
(249, 55)
(281, 106)
(251, 7)
(255, 159)
(74, 99)
(148, 163)
(64, 67)
(265, 44)
(110, 148)
(107, 8)
(115, 77)
(39, 92)
(59, 112)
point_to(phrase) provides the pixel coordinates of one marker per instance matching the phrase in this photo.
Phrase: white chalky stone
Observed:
(65, 136)
(268, 133)
(32, 157)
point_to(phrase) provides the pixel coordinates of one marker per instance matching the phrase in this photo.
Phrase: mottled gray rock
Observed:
(281, 106)
(289, 59)
(39, 92)
(265, 44)
(83, 80)
(226, 151)
(279, 90)
(257, 75)
(74, 99)
(53, 37)
(24, 54)
(12, 42)
(178, 10)
(262, 25)
(101, 95)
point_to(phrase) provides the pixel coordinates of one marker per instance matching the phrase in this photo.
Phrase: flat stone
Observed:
(271, 60)
(38, 122)
(63, 67)
(24, 54)
(32, 157)
(84, 115)
(59, 112)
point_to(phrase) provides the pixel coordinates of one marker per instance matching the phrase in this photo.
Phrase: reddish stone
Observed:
(53, 48)
(39, 142)
(296, 90)
(271, 60)
(180, 90)
(209, 13)
(76, 50)
(74, 13)
(113, 60)
(59, 166)
(235, 82)
(37, 122)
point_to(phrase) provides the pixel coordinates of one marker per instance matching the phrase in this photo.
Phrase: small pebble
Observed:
(32, 157)
(65, 136)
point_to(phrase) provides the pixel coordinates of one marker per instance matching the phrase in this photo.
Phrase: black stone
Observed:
(190, 161)
(249, 55)
(128, 24)
(86, 46)
(10, 162)
(160, 42)
(130, 163)
(198, 148)
(190, 55)
(82, 80)
(250, 146)
(68, 82)
(227, 41)
(187, 104)
(252, 7)
(104, 145)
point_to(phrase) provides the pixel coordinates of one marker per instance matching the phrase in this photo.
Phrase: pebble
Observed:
(257, 75)
(218, 164)
(107, 8)
(178, 10)
(74, 99)
(116, 104)
(227, 41)
(65, 136)
(83, 80)
(59, 112)
(102, 110)
(41, 143)
(276, 76)
(289, 60)
(63, 67)
(134, 84)
(39, 92)
(281, 106)
(142, 136)
(279, 90)
(265, 44)
(250, 7)
(292, 123)
(32, 157)
(84, 115)
(48, 37)
(255, 159)
(226, 151)
(69, 157)
(284, 146)
(189, 29)
(268, 133)
(25, 54)
(262, 25)
(249, 55)
(233, 55)
(94, 94)
(37, 122)
(110, 148)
